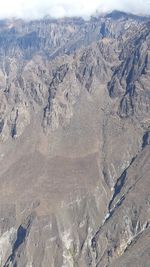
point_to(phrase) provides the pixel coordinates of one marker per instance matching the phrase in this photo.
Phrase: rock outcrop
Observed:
(74, 142)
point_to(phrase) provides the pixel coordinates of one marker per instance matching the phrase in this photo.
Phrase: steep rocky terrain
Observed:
(74, 142)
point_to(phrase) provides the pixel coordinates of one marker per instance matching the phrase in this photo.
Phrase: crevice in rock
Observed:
(118, 186)
(58, 77)
(1, 126)
(120, 183)
(117, 189)
(22, 233)
(146, 139)
(14, 125)
(136, 237)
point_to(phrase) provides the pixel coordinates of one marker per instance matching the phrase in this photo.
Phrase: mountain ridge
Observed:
(74, 142)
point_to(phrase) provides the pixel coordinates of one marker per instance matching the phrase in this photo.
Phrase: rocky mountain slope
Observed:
(74, 142)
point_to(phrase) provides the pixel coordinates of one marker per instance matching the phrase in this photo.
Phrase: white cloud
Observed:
(59, 8)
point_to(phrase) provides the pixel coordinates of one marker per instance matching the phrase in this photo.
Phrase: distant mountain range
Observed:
(75, 142)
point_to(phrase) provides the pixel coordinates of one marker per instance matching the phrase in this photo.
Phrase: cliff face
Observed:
(74, 142)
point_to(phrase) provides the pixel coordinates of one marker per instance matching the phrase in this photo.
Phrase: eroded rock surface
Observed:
(74, 142)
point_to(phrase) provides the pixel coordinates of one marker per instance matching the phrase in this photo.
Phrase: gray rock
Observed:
(74, 142)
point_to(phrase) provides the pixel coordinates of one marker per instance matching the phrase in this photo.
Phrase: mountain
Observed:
(75, 142)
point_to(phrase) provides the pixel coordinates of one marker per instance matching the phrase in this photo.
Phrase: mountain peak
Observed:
(75, 142)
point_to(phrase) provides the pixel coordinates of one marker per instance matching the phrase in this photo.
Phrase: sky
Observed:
(34, 9)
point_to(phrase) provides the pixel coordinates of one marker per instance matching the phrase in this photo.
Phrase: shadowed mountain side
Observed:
(74, 142)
